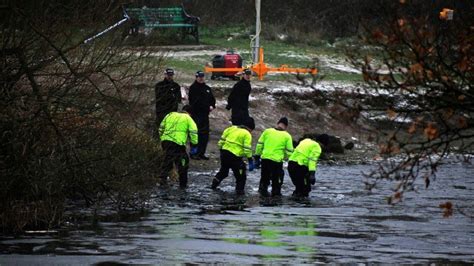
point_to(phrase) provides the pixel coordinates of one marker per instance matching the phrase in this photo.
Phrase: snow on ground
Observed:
(292, 54)
(187, 54)
(221, 103)
(385, 117)
(262, 96)
(337, 63)
(329, 86)
(342, 65)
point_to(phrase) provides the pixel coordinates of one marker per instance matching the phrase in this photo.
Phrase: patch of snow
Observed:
(292, 54)
(384, 117)
(180, 54)
(188, 53)
(222, 103)
(328, 86)
(282, 37)
(338, 64)
(290, 88)
(344, 68)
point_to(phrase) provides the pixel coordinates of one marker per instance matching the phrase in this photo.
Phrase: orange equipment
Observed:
(261, 69)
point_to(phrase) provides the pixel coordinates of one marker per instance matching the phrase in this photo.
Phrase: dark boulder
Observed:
(349, 146)
(334, 143)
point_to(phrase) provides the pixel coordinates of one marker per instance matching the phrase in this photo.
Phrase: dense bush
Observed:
(71, 116)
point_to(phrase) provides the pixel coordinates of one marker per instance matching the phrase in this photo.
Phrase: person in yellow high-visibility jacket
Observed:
(273, 146)
(174, 131)
(235, 144)
(303, 162)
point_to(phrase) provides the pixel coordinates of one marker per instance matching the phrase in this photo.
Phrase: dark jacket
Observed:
(201, 98)
(167, 96)
(239, 96)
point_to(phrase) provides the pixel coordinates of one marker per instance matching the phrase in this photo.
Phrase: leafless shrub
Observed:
(420, 76)
(68, 112)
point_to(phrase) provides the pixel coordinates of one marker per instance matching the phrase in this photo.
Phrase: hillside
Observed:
(277, 95)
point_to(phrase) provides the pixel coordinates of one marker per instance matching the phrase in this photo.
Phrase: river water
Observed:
(341, 222)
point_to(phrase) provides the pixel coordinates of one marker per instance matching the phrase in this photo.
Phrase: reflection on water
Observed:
(340, 222)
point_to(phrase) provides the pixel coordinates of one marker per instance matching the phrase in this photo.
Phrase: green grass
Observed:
(274, 51)
(343, 76)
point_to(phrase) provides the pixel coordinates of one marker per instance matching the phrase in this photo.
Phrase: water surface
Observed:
(340, 222)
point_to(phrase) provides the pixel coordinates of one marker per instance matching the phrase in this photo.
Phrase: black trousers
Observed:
(271, 172)
(202, 123)
(300, 177)
(239, 116)
(175, 155)
(230, 161)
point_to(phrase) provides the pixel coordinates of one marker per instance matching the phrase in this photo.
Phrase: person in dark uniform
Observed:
(238, 100)
(167, 96)
(202, 102)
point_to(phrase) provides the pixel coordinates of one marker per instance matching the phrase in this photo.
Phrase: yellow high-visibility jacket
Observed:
(237, 140)
(307, 154)
(274, 144)
(176, 127)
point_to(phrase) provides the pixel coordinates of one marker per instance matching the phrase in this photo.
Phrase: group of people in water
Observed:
(273, 146)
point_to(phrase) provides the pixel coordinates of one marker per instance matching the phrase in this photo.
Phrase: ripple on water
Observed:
(340, 222)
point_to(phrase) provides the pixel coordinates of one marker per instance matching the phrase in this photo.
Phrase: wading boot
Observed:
(263, 191)
(276, 193)
(215, 183)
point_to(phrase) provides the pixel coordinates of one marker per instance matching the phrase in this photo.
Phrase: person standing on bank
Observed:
(202, 102)
(174, 131)
(303, 162)
(235, 144)
(273, 146)
(238, 100)
(167, 96)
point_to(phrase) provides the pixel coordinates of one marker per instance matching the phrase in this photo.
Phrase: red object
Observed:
(232, 60)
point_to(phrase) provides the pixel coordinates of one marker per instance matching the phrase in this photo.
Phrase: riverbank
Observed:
(306, 114)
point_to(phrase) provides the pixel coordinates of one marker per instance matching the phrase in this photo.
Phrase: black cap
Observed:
(247, 71)
(250, 123)
(283, 120)
(200, 74)
(169, 72)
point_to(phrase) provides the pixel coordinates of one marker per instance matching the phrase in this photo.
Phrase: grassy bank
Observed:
(278, 52)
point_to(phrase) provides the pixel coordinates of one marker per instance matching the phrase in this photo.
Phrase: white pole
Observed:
(257, 32)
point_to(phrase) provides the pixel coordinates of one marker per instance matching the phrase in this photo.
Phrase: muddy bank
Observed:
(307, 113)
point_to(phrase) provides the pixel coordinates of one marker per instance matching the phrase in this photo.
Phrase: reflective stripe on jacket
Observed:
(237, 140)
(274, 144)
(307, 154)
(176, 126)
